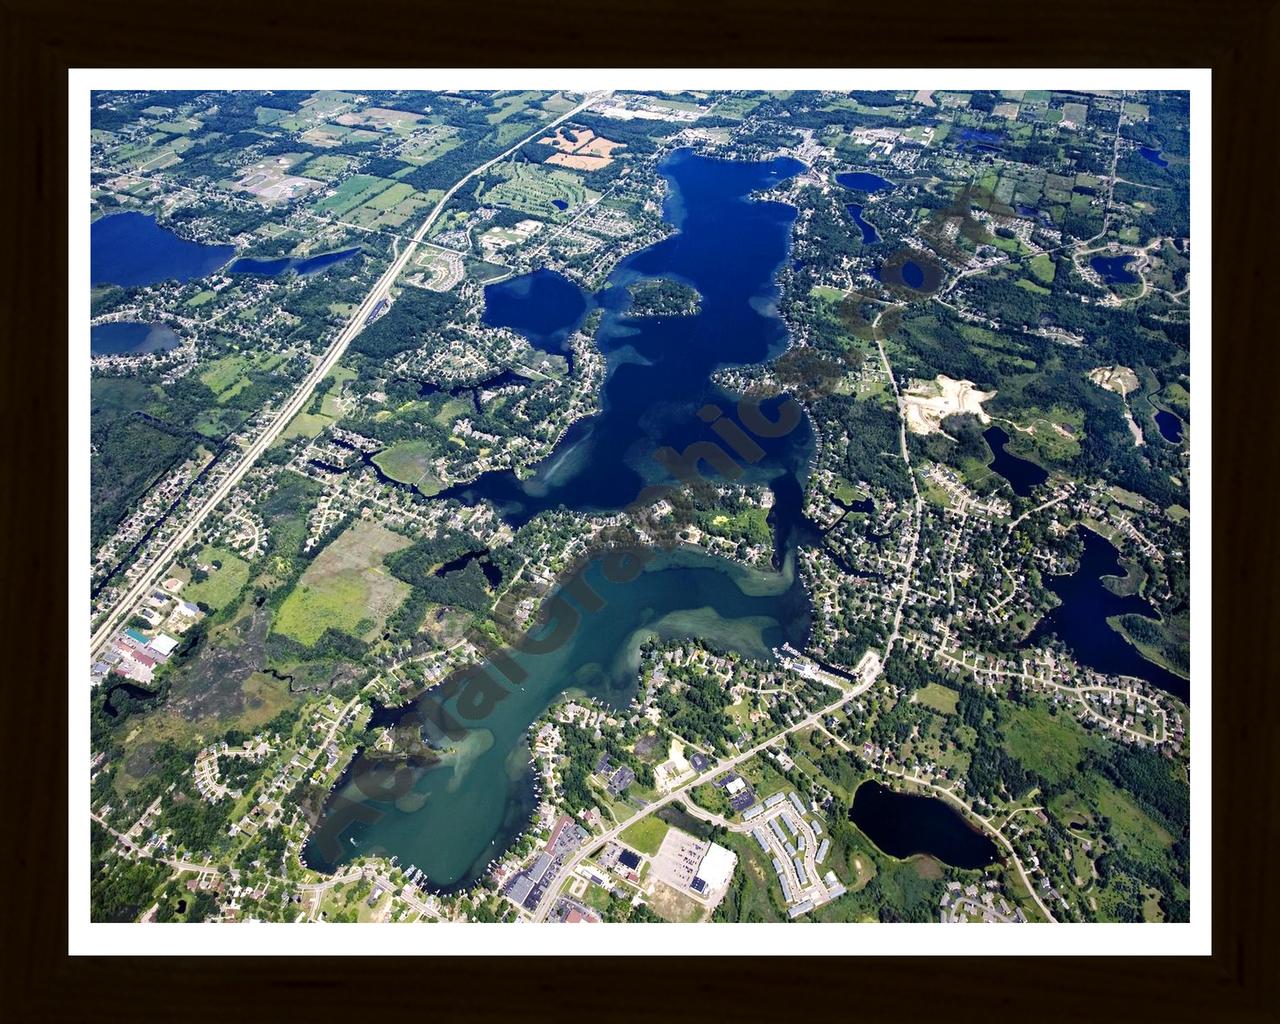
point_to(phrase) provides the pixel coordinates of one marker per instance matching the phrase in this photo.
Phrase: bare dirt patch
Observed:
(1119, 379)
(586, 151)
(673, 906)
(928, 402)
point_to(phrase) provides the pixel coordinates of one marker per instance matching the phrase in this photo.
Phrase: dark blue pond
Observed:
(863, 181)
(869, 234)
(544, 306)
(905, 824)
(1153, 155)
(132, 249)
(913, 274)
(981, 139)
(560, 204)
(130, 339)
(1022, 474)
(1114, 269)
(1170, 426)
(1080, 621)
(304, 267)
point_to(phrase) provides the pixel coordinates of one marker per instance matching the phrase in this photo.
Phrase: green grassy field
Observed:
(223, 584)
(512, 104)
(326, 167)
(754, 894)
(305, 424)
(938, 697)
(222, 373)
(646, 835)
(410, 463)
(229, 375)
(1051, 745)
(355, 191)
(346, 588)
(847, 492)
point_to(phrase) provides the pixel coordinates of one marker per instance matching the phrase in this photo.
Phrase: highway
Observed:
(300, 397)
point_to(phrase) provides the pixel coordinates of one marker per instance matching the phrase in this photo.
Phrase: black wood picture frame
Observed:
(1238, 39)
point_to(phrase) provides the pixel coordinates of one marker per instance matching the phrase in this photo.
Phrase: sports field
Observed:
(533, 190)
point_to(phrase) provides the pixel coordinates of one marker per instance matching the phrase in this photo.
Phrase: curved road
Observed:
(298, 400)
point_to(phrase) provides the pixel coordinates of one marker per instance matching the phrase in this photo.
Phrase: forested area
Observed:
(415, 313)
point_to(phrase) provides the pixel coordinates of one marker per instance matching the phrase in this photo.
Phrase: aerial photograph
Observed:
(543, 506)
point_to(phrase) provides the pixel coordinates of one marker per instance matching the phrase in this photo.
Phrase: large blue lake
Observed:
(659, 368)
(451, 818)
(132, 249)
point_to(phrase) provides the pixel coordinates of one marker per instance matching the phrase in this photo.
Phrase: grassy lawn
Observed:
(346, 587)
(597, 897)
(223, 584)
(229, 375)
(305, 424)
(410, 463)
(222, 374)
(847, 493)
(938, 697)
(646, 835)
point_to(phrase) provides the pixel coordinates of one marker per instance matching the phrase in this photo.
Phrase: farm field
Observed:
(430, 142)
(392, 207)
(355, 191)
(346, 588)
